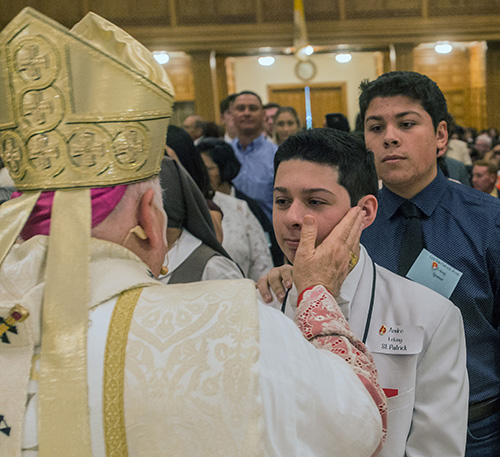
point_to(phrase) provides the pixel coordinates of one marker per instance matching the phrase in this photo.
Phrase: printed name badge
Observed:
(396, 339)
(434, 273)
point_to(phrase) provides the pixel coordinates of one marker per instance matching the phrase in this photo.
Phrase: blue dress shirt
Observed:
(462, 227)
(256, 175)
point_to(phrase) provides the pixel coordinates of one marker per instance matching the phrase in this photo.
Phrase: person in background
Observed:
(485, 176)
(226, 118)
(181, 147)
(428, 222)
(457, 149)
(194, 125)
(337, 121)
(452, 168)
(286, 123)
(244, 237)
(194, 253)
(253, 151)
(212, 130)
(482, 144)
(269, 112)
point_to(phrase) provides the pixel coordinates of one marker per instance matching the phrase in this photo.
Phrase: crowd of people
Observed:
(243, 288)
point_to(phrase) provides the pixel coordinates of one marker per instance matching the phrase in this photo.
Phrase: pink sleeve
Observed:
(321, 321)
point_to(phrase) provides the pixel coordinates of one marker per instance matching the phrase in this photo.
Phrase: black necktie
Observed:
(413, 238)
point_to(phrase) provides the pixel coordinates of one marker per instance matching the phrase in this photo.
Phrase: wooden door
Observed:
(325, 98)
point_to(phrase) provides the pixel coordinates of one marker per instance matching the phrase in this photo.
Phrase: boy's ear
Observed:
(441, 135)
(369, 204)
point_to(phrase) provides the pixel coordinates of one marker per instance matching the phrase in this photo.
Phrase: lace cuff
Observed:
(321, 321)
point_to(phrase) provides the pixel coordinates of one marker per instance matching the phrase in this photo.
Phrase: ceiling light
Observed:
(443, 48)
(266, 61)
(343, 58)
(161, 57)
(308, 50)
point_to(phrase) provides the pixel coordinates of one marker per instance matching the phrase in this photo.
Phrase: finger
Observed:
(287, 275)
(342, 230)
(308, 236)
(355, 232)
(276, 285)
(279, 280)
(264, 291)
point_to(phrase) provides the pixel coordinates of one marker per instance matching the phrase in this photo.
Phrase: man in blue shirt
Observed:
(254, 152)
(404, 117)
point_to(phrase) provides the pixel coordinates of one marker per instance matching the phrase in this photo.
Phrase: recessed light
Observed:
(443, 48)
(343, 58)
(266, 61)
(161, 57)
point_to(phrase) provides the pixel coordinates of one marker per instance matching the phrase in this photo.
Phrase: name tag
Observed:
(434, 273)
(396, 339)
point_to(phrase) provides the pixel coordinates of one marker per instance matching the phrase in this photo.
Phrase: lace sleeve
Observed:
(321, 321)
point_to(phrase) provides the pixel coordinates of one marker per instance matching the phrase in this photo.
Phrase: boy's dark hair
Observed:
(225, 103)
(342, 150)
(410, 84)
(223, 155)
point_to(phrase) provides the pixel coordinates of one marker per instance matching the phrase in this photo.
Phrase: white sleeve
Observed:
(314, 404)
(439, 424)
(220, 267)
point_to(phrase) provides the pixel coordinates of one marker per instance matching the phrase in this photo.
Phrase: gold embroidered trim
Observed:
(114, 373)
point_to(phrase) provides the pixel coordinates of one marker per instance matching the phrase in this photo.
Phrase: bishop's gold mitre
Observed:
(78, 109)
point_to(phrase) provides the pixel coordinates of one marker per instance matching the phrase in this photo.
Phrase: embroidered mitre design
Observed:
(191, 379)
(76, 110)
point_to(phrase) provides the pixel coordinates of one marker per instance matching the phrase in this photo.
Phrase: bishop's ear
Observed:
(369, 204)
(148, 218)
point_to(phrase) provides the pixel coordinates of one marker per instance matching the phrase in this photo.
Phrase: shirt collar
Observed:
(251, 146)
(350, 284)
(426, 200)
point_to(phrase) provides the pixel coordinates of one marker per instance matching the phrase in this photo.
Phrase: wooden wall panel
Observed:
(463, 7)
(132, 12)
(193, 12)
(478, 116)
(67, 12)
(321, 10)
(450, 71)
(180, 73)
(278, 11)
(362, 9)
(493, 83)
(460, 76)
(314, 10)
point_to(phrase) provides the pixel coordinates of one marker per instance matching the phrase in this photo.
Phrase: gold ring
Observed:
(353, 261)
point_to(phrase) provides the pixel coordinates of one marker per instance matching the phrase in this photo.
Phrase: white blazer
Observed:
(428, 391)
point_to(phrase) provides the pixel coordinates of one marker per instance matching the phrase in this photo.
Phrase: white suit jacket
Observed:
(428, 391)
